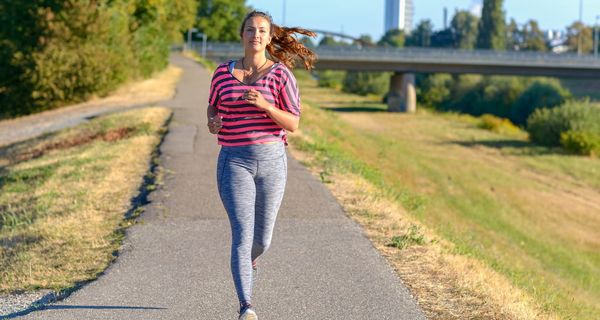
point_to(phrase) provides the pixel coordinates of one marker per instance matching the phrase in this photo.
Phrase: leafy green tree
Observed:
(533, 37)
(421, 35)
(514, 38)
(574, 31)
(364, 40)
(57, 52)
(464, 29)
(392, 38)
(220, 19)
(331, 42)
(492, 26)
(442, 39)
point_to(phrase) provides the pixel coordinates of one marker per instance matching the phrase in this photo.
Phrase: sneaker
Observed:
(247, 314)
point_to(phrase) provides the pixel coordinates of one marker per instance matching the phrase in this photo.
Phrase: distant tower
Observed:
(399, 15)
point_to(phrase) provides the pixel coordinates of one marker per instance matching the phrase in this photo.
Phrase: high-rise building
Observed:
(399, 15)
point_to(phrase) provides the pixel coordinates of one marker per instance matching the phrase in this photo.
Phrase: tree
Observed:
(364, 40)
(421, 36)
(392, 38)
(533, 37)
(574, 31)
(220, 19)
(514, 38)
(492, 26)
(331, 42)
(442, 39)
(464, 29)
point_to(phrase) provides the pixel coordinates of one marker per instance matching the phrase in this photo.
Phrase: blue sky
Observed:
(356, 17)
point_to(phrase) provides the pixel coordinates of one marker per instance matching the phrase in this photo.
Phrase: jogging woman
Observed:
(253, 102)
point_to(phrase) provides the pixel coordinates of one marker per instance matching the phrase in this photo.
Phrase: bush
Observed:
(581, 142)
(497, 124)
(330, 78)
(365, 83)
(492, 95)
(541, 93)
(546, 125)
(507, 97)
(433, 90)
(64, 51)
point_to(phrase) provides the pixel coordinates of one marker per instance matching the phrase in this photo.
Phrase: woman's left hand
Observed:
(256, 98)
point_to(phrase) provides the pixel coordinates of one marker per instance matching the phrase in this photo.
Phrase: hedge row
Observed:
(514, 98)
(55, 52)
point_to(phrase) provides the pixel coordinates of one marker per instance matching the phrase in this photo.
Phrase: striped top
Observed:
(244, 123)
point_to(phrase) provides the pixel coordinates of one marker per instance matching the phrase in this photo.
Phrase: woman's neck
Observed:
(254, 61)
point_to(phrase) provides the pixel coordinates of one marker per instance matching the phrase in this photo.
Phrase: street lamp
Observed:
(189, 38)
(284, 7)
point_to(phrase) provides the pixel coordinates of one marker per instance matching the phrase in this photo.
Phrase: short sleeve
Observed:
(289, 95)
(213, 96)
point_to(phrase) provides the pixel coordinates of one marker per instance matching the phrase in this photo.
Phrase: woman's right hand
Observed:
(214, 124)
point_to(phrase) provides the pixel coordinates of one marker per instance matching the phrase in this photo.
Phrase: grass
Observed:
(63, 197)
(528, 213)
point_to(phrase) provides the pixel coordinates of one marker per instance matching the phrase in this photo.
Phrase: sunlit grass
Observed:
(63, 198)
(528, 212)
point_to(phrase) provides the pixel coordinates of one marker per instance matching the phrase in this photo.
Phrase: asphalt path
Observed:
(174, 263)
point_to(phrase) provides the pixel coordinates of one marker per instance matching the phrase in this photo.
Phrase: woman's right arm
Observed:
(214, 121)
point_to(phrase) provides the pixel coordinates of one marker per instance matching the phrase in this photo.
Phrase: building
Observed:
(399, 15)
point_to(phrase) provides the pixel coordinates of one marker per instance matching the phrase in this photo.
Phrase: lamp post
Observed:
(189, 38)
(284, 5)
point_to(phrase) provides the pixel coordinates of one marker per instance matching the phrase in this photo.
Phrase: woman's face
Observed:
(256, 34)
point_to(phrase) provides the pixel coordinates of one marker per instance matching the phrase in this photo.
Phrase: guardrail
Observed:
(428, 55)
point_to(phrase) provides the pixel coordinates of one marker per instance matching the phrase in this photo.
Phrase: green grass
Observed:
(531, 213)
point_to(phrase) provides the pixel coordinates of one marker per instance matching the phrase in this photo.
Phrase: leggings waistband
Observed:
(261, 151)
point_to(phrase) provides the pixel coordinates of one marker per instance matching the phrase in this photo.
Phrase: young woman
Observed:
(253, 102)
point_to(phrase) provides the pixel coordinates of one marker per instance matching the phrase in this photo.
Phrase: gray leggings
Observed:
(251, 181)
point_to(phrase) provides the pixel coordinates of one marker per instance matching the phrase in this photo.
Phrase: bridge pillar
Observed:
(402, 96)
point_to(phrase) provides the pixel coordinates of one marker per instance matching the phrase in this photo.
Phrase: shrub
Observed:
(581, 142)
(59, 52)
(497, 124)
(542, 92)
(330, 78)
(492, 95)
(365, 83)
(433, 90)
(546, 125)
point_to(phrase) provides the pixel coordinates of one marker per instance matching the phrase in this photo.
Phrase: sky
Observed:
(358, 17)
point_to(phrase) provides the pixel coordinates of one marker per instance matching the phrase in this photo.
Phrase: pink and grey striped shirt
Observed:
(244, 123)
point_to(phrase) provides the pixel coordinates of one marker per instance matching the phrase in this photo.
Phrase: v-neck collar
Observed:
(232, 64)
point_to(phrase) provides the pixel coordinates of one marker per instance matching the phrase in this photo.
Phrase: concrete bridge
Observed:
(405, 62)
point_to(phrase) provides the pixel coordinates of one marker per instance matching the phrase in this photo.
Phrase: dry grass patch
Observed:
(64, 196)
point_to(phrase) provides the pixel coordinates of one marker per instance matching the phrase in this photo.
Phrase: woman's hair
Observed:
(284, 46)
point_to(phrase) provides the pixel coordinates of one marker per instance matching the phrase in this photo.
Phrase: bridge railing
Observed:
(425, 54)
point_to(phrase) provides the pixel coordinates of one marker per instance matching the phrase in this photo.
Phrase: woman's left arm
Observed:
(283, 118)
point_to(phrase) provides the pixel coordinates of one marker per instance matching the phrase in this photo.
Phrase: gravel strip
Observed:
(12, 305)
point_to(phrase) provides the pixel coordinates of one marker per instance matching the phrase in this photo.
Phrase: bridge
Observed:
(405, 62)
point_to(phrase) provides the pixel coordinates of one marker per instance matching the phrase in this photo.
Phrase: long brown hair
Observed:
(284, 46)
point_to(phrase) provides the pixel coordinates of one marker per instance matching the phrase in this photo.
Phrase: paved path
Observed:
(175, 261)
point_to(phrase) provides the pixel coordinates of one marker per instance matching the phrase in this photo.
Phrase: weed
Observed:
(413, 236)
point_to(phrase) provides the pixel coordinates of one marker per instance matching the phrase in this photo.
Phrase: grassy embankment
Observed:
(66, 197)
(484, 220)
